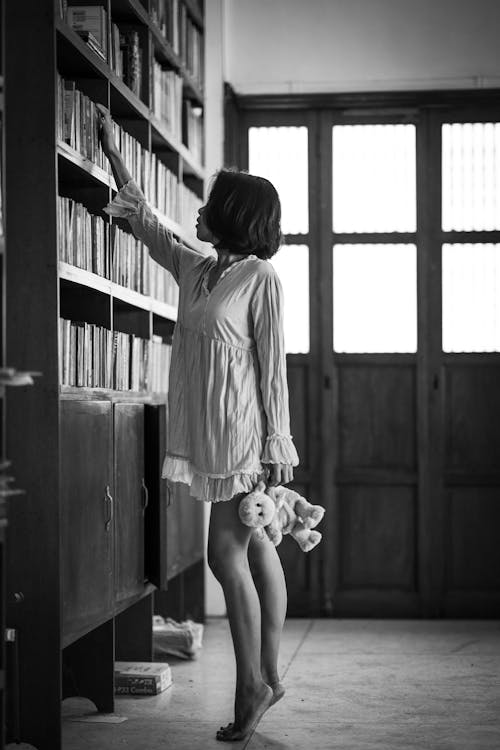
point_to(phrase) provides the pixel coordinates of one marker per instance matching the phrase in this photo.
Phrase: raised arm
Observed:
(267, 314)
(130, 203)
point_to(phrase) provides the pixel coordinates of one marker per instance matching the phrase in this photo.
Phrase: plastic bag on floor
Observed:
(182, 639)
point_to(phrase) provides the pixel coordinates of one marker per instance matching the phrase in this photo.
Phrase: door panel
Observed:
(129, 499)
(394, 401)
(86, 515)
(377, 529)
(473, 520)
(376, 427)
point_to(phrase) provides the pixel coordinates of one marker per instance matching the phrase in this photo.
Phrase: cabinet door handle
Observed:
(108, 500)
(145, 495)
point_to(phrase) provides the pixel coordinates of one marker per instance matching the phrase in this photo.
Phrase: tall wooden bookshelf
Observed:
(88, 543)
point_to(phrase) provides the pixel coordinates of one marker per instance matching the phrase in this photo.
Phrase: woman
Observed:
(228, 421)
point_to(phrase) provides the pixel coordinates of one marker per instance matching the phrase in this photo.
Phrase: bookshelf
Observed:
(95, 534)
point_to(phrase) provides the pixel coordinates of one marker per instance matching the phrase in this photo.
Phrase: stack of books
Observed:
(167, 99)
(141, 678)
(91, 23)
(82, 237)
(77, 123)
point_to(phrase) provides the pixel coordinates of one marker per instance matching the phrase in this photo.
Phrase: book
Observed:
(142, 678)
(131, 60)
(90, 18)
(92, 42)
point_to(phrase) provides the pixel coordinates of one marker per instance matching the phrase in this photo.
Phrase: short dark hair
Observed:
(244, 213)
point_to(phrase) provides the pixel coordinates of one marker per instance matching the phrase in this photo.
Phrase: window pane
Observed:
(374, 178)
(374, 298)
(280, 155)
(292, 265)
(471, 298)
(471, 176)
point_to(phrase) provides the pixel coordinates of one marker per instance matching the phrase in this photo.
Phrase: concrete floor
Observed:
(359, 684)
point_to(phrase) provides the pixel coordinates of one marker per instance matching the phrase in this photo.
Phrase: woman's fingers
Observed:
(280, 474)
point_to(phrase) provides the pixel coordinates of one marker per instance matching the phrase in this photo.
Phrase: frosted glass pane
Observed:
(374, 298)
(471, 298)
(374, 178)
(292, 265)
(471, 176)
(280, 155)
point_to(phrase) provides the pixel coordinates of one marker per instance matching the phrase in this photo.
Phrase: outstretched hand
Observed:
(106, 130)
(279, 474)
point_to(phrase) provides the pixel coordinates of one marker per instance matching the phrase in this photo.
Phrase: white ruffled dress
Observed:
(228, 394)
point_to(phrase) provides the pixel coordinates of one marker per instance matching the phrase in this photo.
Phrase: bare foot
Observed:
(278, 692)
(250, 715)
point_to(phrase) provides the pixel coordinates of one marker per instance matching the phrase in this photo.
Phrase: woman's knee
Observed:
(225, 558)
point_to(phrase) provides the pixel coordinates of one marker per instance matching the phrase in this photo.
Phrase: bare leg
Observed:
(270, 583)
(228, 558)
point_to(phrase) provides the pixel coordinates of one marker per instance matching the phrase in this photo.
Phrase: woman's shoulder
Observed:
(262, 269)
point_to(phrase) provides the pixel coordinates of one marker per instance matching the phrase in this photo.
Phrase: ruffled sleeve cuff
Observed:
(279, 449)
(127, 201)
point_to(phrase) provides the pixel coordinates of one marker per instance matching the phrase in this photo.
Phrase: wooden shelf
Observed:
(116, 291)
(82, 392)
(75, 55)
(93, 173)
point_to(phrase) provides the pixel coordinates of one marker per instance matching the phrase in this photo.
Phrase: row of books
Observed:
(89, 242)
(193, 137)
(133, 267)
(82, 237)
(125, 53)
(189, 205)
(190, 48)
(92, 356)
(126, 59)
(77, 123)
(167, 99)
(160, 185)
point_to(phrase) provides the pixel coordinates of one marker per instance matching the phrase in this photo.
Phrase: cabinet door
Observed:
(130, 499)
(185, 543)
(156, 526)
(86, 515)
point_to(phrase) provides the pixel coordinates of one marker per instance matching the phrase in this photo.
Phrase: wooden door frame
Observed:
(429, 109)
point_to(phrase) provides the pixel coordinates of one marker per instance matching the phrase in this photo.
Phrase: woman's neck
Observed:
(226, 257)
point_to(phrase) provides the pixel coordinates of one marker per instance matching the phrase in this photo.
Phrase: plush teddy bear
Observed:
(257, 509)
(295, 516)
(279, 511)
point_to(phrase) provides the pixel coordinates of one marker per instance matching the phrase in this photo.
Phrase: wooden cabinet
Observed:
(131, 498)
(86, 516)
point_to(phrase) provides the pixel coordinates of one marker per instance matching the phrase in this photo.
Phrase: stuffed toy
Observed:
(257, 509)
(288, 513)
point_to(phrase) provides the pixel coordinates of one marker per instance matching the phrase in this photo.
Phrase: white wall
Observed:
(214, 145)
(281, 46)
